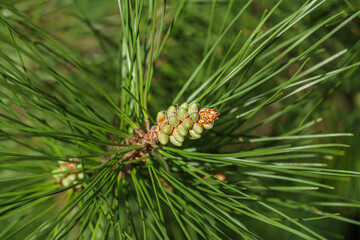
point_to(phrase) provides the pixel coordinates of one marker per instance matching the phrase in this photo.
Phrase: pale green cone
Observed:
(66, 182)
(173, 121)
(178, 137)
(187, 123)
(182, 130)
(80, 176)
(182, 113)
(194, 107)
(160, 115)
(185, 105)
(163, 139)
(173, 141)
(198, 128)
(194, 135)
(72, 177)
(194, 116)
(171, 111)
(166, 129)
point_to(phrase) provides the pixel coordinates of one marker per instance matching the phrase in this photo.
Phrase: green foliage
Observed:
(79, 77)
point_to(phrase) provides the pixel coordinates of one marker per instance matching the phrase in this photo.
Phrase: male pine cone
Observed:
(177, 123)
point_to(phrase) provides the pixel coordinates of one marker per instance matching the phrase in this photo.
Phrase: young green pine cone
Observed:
(69, 178)
(179, 122)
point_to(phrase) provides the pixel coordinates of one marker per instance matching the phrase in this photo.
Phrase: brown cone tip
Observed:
(208, 116)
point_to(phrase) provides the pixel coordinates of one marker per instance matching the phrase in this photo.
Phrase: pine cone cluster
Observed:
(179, 122)
(68, 179)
